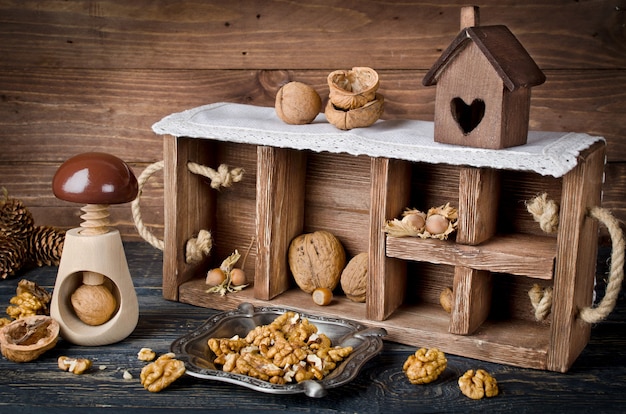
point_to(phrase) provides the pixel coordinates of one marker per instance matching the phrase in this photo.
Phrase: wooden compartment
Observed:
(496, 255)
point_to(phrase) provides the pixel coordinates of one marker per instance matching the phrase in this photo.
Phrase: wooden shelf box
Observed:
(305, 178)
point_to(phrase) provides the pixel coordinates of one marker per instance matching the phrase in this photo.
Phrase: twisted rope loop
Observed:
(546, 213)
(199, 246)
(616, 274)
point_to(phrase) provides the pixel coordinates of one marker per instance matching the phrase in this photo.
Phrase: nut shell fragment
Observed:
(26, 339)
(350, 89)
(360, 117)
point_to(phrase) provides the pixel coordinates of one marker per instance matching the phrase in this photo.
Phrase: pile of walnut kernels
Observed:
(286, 350)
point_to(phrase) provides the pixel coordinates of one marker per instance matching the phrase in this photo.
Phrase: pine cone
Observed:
(12, 255)
(16, 221)
(45, 246)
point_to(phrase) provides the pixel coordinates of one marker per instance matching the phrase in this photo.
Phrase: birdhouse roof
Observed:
(501, 48)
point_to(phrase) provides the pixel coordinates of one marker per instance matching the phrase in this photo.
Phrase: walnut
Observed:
(316, 260)
(478, 384)
(425, 365)
(354, 278)
(74, 365)
(93, 304)
(297, 103)
(146, 354)
(161, 373)
(446, 299)
(27, 338)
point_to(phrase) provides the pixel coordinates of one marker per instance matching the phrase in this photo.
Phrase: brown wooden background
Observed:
(79, 76)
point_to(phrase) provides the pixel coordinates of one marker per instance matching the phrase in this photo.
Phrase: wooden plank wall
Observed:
(80, 76)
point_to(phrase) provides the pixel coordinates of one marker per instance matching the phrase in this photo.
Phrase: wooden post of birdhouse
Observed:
(470, 16)
(483, 87)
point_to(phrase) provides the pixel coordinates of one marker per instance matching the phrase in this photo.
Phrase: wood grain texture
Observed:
(595, 383)
(390, 195)
(281, 176)
(479, 195)
(576, 253)
(526, 255)
(275, 34)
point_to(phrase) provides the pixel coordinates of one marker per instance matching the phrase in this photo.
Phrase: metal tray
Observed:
(193, 350)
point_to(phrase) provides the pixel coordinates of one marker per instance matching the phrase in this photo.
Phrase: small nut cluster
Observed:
(437, 223)
(353, 101)
(226, 278)
(288, 349)
(478, 384)
(161, 373)
(425, 365)
(74, 365)
(30, 300)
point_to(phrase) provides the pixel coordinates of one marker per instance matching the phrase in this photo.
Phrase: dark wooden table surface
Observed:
(595, 383)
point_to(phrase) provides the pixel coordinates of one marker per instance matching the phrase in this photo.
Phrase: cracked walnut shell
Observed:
(26, 339)
(359, 117)
(350, 89)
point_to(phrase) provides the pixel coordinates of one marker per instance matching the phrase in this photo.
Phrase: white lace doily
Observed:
(546, 153)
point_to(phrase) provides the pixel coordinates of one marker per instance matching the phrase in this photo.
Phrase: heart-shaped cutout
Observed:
(467, 116)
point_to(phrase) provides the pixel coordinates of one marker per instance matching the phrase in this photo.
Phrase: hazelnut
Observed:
(436, 224)
(297, 103)
(215, 277)
(322, 296)
(237, 277)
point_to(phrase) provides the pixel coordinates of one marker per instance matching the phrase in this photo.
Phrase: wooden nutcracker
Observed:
(94, 299)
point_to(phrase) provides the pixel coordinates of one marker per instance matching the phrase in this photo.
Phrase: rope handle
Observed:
(196, 247)
(546, 213)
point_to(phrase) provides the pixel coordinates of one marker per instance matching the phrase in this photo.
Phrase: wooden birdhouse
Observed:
(483, 87)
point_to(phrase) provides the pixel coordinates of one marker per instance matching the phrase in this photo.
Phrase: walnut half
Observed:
(161, 373)
(478, 384)
(425, 365)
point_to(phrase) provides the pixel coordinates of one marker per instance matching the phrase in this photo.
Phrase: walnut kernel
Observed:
(146, 354)
(161, 373)
(74, 365)
(478, 384)
(425, 365)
